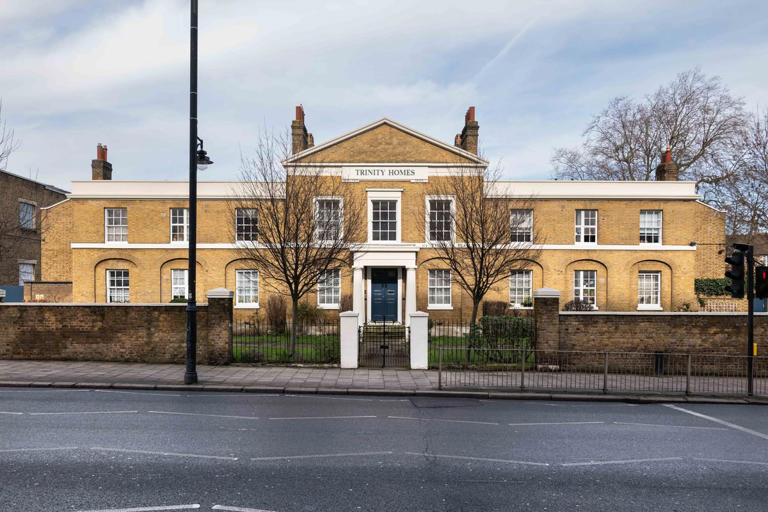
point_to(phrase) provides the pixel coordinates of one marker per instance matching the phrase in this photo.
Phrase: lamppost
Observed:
(198, 159)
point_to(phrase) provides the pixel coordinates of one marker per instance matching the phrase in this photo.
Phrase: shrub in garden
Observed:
(276, 313)
(506, 332)
(495, 308)
(578, 305)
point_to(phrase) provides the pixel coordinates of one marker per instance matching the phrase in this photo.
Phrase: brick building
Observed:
(21, 201)
(622, 246)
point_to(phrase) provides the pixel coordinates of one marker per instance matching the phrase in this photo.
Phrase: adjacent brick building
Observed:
(623, 246)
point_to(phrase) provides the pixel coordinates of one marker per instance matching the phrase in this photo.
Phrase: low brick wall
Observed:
(149, 333)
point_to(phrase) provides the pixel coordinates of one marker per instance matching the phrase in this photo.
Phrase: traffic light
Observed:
(736, 274)
(761, 282)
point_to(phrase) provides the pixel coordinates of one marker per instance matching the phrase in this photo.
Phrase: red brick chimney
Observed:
(101, 169)
(667, 169)
(300, 139)
(467, 139)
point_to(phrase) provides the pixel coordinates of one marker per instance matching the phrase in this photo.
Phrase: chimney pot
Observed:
(101, 169)
(300, 139)
(467, 140)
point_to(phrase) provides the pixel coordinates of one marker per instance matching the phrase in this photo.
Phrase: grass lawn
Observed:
(273, 348)
(456, 353)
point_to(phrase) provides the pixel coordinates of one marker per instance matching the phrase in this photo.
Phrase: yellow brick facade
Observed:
(692, 234)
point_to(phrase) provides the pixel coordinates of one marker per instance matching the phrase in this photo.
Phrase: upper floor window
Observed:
(439, 288)
(116, 224)
(520, 288)
(179, 224)
(586, 226)
(118, 286)
(179, 283)
(26, 273)
(440, 218)
(26, 215)
(246, 224)
(247, 287)
(329, 288)
(383, 220)
(585, 286)
(649, 290)
(650, 226)
(328, 218)
(521, 225)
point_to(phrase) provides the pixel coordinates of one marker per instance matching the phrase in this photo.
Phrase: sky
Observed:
(75, 73)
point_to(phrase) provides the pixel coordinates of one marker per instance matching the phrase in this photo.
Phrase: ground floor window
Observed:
(247, 286)
(439, 288)
(329, 288)
(520, 289)
(585, 286)
(118, 286)
(649, 289)
(179, 283)
(26, 273)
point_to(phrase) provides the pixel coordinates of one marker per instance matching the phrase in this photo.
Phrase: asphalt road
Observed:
(143, 451)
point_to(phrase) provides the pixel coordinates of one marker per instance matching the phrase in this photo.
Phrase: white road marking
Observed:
(482, 459)
(244, 394)
(556, 423)
(40, 390)
(193, 506)
(134, 392)
(322, 455)
(239, 509)
(627, 461)
(442, 419)
(208, 415)
(321, 417)
(719, 421)
(79, 412)
(732, 461)
(168, 454)
(331, 398)
(11, 450)
(670, 426)
(12, 413)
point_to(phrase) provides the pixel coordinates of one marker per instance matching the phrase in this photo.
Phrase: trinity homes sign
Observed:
(371, 173)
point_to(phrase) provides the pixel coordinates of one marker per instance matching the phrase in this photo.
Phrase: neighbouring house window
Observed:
(179, 283)
(246, 224)
(649, 289)
(329, 288)
(521, 225)
(247, 286)
(650, 226)
(520, 288)
(118, 286)
(26, 215)
(116, 224)
(384, 220)
(26, 273)
(440, 220)
(585, 286)
(586, 226)
(327, 218)
(179, 224)
(439, 288)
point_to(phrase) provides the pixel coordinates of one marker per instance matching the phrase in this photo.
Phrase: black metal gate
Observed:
(384, 345)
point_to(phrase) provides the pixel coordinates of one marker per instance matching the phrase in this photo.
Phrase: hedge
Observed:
(713, 287)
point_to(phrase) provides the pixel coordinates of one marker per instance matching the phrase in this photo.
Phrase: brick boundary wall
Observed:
(148, 333)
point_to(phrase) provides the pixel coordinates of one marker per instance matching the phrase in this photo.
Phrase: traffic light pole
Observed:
(750, 317)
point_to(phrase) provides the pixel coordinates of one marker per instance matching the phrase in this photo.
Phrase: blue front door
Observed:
(383, 295)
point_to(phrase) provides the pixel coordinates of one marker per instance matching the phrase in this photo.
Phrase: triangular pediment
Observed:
(385, 141)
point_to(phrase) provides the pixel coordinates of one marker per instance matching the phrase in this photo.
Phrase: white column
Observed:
(348, 336)
(419, 340)
(410, 294)
(357, 294)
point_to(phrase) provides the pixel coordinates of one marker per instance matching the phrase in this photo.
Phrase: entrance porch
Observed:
(384, 284)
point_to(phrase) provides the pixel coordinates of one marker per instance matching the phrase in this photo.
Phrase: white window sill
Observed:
(438, 307)
(247, 306)
(649, 307)
(515, 306)
(116, 244)
(585, 244)
(328, 306)
(650, 244)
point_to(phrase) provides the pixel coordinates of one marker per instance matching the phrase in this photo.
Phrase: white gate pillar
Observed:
(419, 340)
(410, 294)
(357, 294)
(348, 337)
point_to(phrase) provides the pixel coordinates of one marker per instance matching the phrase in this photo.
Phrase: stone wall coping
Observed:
(659, 313)
(349, 314)
(546, 293)
(105, 304)
(219, 293)
(419, 314)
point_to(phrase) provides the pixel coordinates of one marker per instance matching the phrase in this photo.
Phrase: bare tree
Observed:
(694, 115)
(485, 245)
(8, 143)
(299, 236)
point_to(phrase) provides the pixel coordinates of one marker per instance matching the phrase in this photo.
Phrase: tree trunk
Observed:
(472, 329)
(294, 308)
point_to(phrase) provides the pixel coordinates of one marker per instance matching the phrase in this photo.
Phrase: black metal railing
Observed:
(490, 340)
(255, 342)
(384, 345)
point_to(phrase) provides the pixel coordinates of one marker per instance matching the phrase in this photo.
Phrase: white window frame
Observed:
(34, 214)
(427, 220)
(530, 227)
(650, 306)
(107, 226)
(431, 286)
(127, 288)
(238, 304)
(185, 274)
(578, 291)
(237, 232)
(580, 225)
(26, 264)
(385, 195)
(334, 288)
(514, 279)
(660, 227)
(185, 220)
(316, 202)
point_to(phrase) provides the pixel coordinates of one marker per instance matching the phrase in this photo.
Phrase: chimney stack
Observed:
(101, 169)
(667, 169)
(467, 139)
(300, 139)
